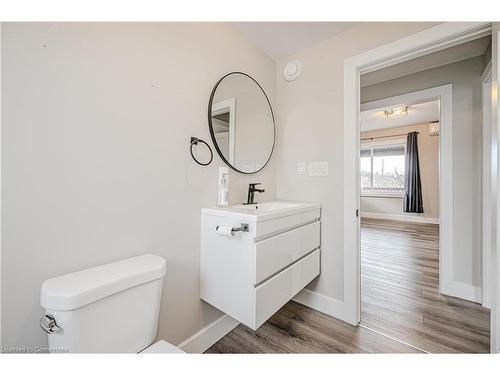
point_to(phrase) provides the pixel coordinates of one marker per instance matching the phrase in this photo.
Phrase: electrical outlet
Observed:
(318, 168)
(301, 168)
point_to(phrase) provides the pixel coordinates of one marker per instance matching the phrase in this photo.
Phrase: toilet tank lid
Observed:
(71, 291)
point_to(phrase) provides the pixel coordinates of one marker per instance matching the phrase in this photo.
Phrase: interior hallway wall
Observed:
(0, 187)
(466, 79)
(428, 151)
(311, 128)
(96, 124)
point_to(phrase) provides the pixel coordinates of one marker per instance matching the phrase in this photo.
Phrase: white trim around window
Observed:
(381, 192)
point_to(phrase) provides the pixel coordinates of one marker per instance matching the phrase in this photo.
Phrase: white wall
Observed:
(96, 124)
(465, 77)
(428, 150)
(310, 128)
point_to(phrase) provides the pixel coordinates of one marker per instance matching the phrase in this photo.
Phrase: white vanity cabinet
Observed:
(252, 274)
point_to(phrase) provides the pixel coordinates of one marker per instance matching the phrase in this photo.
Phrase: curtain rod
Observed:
(386, 136)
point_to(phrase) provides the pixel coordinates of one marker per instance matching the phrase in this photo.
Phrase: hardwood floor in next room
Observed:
(400, 291)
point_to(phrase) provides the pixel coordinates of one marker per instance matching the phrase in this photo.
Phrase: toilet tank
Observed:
(112, 308)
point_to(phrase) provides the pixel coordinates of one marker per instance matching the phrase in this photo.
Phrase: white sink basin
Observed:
(261, 211)
(267, 206)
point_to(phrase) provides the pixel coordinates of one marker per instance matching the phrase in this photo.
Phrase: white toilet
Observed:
(112, 308)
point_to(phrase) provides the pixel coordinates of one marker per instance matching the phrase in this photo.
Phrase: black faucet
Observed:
(251, 191)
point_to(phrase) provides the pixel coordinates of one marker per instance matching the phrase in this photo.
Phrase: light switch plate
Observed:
(323, 168)
(301, 168)
(318, 168)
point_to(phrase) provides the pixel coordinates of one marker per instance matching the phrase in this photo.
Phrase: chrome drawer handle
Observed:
(48, 324)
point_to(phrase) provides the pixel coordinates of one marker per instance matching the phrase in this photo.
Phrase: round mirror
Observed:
(241, 123)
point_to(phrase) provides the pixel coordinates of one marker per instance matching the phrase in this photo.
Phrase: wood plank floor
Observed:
(299, 329)
(400, 299)
(400, 291)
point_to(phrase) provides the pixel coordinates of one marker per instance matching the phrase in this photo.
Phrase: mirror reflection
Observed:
(241, 123)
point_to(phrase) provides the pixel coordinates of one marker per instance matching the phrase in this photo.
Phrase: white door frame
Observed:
(444, 95)
(487, 150)
(495, 131)
(224, 106)
(433, 39)
(1, 25)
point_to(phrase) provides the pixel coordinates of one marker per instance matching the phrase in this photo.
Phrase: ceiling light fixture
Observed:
(396, 112)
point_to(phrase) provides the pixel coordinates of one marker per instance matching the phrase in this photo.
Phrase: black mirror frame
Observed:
(210, 126)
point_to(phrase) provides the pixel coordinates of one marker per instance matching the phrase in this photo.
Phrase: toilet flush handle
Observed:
(48, 324)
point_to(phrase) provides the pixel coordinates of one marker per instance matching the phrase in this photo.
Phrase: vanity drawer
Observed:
(274, 293)
(280, 224)
(276, 253)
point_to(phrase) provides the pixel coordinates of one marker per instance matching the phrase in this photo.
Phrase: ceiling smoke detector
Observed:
(292, 70)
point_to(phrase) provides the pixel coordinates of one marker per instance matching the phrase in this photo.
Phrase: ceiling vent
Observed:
(292, 70)
(434, 128)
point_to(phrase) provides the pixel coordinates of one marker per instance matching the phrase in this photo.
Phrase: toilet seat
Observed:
(162, 347)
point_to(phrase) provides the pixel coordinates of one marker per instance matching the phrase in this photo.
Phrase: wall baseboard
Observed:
(408, 218)
(209, 335)
(462, 290)
(324, 304)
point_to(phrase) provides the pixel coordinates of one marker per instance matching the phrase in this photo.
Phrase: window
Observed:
(383, 170)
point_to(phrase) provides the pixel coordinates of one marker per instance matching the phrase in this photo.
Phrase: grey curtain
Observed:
(413, 188)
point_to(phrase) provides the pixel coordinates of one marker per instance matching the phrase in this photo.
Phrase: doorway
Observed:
(387, 56)
(402, 255)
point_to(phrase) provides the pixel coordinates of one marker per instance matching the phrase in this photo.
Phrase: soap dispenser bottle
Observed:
(223, 192)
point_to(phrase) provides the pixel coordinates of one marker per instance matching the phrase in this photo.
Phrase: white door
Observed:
(488, 156)
(495, 114)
